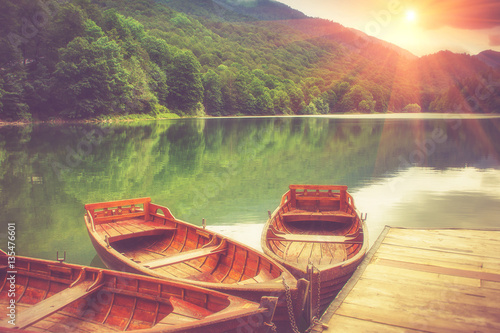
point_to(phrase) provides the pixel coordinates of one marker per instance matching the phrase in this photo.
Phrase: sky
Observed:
(422, 27)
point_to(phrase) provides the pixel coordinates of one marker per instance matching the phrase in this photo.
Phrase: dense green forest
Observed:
(79, 59)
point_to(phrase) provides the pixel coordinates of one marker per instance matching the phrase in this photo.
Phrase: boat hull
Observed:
(235, 261)
(317, 234)
(53, 297)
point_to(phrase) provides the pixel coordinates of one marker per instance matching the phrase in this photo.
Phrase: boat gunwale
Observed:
(273, 285)
(235, 309)
(285, 199)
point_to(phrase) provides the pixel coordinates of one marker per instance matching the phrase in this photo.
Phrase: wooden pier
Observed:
(415, 280)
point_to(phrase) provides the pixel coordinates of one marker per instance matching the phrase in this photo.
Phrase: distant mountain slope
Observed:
(351, 38)
(323, 57)
(490, 57)
(263, 9)
(221, 57)
(236, 11)
(444, 68)
(268, 10)
(206, 8)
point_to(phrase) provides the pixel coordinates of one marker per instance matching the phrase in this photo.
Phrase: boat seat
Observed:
(327, 216)
(121, 230)
(54, 303)
(315, 198)
(277, 235)
(189, 309)
(187, 255)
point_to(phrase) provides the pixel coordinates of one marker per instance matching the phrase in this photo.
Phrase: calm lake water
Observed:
(429, 173)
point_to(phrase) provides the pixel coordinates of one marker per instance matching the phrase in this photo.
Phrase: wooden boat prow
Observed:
(58, 297)
(317, 233)
(141, 237)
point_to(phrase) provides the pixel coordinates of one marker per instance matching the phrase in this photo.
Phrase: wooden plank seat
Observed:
(188, 309)
(316, 198)
(277, 235)
(121, 230)
(54, 303)
(328, 216)
(187, 255)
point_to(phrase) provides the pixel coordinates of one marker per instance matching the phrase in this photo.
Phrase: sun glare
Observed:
(411, 15)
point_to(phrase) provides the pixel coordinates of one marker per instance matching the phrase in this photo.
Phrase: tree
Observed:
(67, 24)
(341, 88)
(263, 100)
(330, 98)
(281, 102)
(245, 101)
(91, 79)
(126, 31)
(160, 52)
(366, 106)
(213, 94)
(92, 31)
(310, 109)
(297, 103)
(412, 108)
(12, 101)
(228, 89)
(38, 90)
(322, 106)
(184, 80)
(143, 98)
(358, 99)
(158, 82)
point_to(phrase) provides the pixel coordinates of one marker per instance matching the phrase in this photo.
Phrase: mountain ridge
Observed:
(270, 10)
(490, 57)
(445, 72)
(201, 57)
(265, 10)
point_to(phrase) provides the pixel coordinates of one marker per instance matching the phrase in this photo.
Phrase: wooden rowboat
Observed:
(140, 237)
(317, 234)
(50, 296)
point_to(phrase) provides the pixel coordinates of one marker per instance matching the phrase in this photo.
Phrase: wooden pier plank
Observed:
(419, 307)
(423, 281)
(422, 277)
(437, 258)
(347, 324)
(478, 243)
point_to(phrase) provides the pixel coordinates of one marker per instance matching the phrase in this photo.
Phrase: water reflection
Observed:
(427, 173)
(429, 198)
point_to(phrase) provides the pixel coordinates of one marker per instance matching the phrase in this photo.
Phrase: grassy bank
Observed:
(100, 119)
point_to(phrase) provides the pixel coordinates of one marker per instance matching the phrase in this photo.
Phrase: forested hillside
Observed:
(82, 59)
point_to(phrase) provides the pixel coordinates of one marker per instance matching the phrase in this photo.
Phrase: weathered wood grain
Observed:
(424, 281)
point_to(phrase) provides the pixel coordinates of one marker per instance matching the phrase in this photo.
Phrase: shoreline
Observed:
(82, 121)
(376, 116)
(331, 116)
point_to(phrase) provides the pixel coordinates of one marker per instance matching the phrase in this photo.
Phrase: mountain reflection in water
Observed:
(402, 172)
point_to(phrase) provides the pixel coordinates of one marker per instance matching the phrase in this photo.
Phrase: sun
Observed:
(411, 15)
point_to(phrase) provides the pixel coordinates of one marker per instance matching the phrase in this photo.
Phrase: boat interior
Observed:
(55, 298)
(315, 226)
(150, 236)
